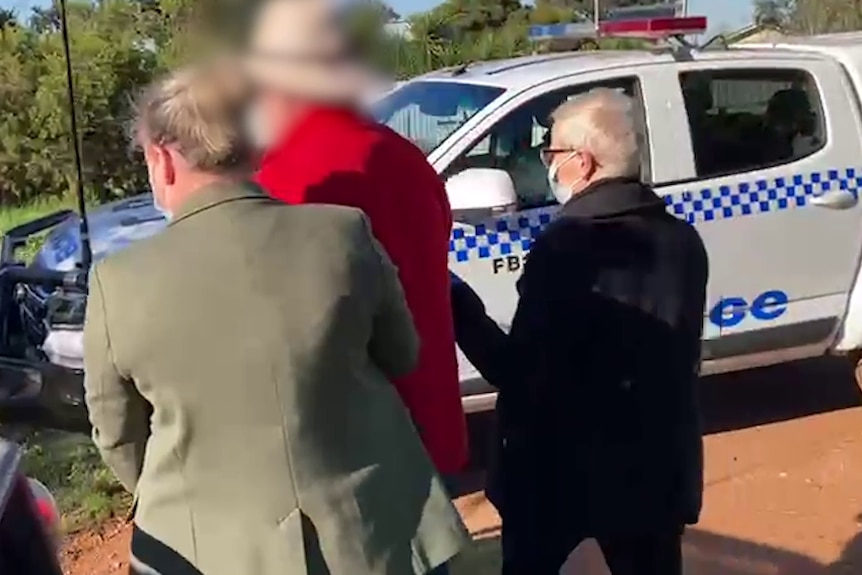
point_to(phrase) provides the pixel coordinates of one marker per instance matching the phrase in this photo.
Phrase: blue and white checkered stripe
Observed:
(745, 198)
(498, 238)
(760, 196)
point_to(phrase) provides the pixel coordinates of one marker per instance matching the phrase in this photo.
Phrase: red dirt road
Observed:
(99, 552)
(783, 476)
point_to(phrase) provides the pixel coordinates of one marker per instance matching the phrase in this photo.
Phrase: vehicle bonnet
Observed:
(113, 226)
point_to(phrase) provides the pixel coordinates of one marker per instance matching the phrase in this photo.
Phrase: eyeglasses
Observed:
(547, 154)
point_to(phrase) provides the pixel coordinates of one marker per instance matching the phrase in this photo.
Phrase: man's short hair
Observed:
(602, 123)
(200, 111)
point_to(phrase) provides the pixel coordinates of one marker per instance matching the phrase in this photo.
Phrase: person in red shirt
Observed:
(320, 149)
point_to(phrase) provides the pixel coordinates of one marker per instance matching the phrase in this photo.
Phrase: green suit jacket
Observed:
(238, 371)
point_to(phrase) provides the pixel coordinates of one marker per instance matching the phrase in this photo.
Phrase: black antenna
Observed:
(86, 248)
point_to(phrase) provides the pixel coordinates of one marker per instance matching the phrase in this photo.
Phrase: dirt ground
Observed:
(783, 476)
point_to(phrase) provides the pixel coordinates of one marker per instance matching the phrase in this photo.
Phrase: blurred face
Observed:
(270, 115)
(570, 170)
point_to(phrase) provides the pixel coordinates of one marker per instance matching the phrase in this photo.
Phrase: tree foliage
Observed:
(117, 47)
(35, 146)
(772, 12)
(810, 16)
(120, 45)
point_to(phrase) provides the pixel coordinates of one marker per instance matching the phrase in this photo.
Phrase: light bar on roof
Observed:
(660, 10)
(554, 31)
(651, 28)
(654, 27)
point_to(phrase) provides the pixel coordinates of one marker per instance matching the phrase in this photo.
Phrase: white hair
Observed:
(601, 122)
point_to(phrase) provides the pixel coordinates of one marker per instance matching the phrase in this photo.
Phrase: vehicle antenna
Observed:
(86, 248)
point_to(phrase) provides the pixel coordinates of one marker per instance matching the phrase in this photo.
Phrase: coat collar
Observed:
(213, 195)
(612, 197)
(315, 119)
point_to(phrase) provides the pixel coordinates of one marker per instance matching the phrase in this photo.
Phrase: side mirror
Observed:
(482, 191)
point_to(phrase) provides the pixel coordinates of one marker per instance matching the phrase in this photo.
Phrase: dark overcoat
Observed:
(598, 410)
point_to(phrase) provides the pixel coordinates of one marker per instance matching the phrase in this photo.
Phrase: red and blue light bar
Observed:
(653, 27)
(648, 28)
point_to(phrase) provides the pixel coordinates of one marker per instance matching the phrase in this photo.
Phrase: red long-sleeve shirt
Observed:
(338, 157)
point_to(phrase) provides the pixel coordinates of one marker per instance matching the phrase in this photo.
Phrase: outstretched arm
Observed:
(505, 360)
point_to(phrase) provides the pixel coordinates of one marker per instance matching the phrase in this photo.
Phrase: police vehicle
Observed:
(759, 147)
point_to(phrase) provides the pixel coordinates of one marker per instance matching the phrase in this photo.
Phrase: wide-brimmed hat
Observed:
(301, 47)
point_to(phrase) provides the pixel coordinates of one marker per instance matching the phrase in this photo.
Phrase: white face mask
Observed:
(257, 128)
(561, 192)
(156, 204)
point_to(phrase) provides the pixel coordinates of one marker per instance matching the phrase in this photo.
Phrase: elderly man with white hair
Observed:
(599, 425)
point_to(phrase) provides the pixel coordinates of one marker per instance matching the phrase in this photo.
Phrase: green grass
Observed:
(70, 466)
(15, 216)
(11, 217)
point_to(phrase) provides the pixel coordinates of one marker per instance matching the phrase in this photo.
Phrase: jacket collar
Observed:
(612, 197)
(315, 119)
(213, 195)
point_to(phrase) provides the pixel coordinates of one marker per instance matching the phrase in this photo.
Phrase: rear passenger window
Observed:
(743, 120)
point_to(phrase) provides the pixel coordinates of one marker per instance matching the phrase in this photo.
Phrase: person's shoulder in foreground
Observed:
(352, 141)
(250, 206)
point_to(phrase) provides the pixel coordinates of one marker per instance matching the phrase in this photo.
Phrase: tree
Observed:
(377, 10)
(772, 12)
(8, 19)
(823, 16)
(367, 22)
(585, 6)
(108, 65)
(433, 39)
(576, 10)
(553, 12)
(45, 19)
(468, 17)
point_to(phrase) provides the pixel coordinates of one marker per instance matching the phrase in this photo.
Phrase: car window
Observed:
(744, 120)
(513, 143)
(426, 113)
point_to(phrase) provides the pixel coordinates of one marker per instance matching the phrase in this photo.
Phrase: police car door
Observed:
(770, 179)
(489, 253)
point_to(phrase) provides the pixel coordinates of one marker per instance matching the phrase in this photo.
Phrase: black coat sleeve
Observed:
(505, 360)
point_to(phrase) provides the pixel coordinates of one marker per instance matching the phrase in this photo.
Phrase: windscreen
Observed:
(426, 113)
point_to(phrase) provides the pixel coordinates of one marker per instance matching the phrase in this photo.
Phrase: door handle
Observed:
(835, 200)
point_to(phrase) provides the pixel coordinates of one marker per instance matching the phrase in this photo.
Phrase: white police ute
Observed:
(760, 147)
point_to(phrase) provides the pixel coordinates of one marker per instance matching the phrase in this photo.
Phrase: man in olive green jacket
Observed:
(238, 371)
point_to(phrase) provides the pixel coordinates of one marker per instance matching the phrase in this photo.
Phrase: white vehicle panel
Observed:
(846, 49)
(489, 253)
(767, 234)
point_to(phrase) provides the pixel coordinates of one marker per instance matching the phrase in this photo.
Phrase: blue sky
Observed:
(722, 14)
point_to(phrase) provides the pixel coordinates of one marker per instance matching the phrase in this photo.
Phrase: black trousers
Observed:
(152, 557)
(543, 551)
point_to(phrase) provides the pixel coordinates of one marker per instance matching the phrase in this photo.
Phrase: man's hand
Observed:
(466, 303)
